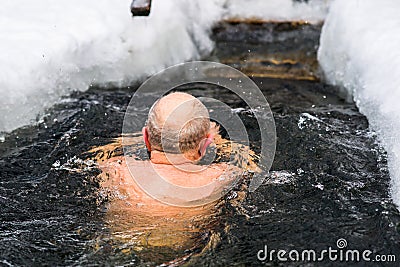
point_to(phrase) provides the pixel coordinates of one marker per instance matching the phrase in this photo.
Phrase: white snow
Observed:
(360, 51)
(313, 11)
(49, 48)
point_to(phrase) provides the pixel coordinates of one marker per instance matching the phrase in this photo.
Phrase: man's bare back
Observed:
(135, 215)
(118, 178)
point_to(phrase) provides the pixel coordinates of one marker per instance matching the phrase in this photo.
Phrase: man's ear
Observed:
(146, 138)
(205, 143)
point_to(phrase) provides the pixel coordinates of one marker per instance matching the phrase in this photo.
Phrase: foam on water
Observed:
(49, 48)
(359, 51)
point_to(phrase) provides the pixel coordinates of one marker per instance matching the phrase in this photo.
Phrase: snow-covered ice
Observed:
(49, 48)
(313, 11)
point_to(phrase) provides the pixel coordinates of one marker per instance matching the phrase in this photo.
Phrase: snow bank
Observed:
(49, 48)
(359, 51)
(279, 10)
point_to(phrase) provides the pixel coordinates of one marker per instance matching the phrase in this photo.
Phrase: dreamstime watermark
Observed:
(339, 253)
(216, 74)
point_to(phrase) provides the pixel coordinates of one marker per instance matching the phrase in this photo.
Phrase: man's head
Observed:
(178, 123)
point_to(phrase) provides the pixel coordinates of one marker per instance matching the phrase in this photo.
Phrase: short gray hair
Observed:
(163, 138)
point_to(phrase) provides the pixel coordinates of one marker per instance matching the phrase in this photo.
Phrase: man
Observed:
(177, 133)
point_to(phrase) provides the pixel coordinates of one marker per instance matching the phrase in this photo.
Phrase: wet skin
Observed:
(147, 220)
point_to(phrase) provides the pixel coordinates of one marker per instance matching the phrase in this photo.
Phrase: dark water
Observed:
(330, 178)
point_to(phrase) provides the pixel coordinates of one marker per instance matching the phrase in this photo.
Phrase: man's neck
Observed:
(158, 157)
